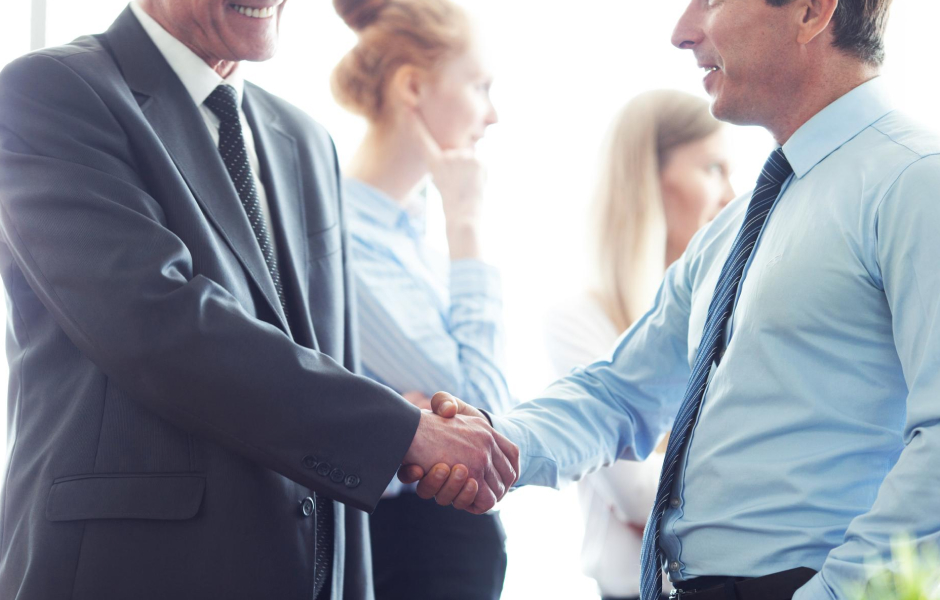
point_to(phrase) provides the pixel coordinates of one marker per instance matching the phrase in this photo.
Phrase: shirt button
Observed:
(674, 565)
(310, 462)
(307, 506)
(674, 503)
(352, 481)
(324, 469)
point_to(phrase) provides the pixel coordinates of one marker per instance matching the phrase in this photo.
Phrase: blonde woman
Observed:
(427, 322)
(664, 175)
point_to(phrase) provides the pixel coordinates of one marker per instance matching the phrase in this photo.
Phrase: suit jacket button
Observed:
(307, 506)
(310, 462)
(324, 468)
(352, 481)
(337, 475)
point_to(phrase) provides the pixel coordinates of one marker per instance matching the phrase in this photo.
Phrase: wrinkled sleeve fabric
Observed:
(907, 247)
(617, 407)
(95, 249)
(574, 338)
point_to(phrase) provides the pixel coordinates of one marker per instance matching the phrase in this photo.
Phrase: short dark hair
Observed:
(858, 27)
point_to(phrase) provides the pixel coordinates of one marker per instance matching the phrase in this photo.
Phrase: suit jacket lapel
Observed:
(180, 126)
(280, 173)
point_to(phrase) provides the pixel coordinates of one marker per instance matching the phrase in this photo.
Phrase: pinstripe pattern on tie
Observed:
(776, 170)
(223, 101)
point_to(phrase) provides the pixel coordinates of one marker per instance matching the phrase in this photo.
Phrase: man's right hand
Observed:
(459, 458)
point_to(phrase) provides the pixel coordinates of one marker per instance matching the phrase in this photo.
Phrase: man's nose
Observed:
(688, 32)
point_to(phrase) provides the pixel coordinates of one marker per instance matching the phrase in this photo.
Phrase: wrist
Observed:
(463, 240)
(415, 450)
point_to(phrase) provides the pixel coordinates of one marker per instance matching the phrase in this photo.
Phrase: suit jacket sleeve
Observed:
(95, 249)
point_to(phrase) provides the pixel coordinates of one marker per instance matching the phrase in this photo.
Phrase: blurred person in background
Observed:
(664, 174)
(418, 77)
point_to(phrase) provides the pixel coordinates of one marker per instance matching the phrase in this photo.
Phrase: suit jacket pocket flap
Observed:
(126, 496)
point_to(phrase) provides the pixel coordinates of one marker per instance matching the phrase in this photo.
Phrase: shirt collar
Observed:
(198, 78)
(836, 124)
(376, 206)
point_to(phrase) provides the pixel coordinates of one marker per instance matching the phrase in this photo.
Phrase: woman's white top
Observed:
(615, 501)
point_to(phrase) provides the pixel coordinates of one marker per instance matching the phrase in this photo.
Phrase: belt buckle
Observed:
(676, 594)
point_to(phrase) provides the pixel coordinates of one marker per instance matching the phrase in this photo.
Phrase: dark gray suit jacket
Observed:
(165, 423)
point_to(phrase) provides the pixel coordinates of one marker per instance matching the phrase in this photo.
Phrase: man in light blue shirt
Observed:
(818, 438)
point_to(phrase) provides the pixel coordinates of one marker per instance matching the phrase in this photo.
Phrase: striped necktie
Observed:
(776, 171)
(223, 101)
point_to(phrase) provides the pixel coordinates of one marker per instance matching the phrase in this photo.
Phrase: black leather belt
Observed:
(776, 586)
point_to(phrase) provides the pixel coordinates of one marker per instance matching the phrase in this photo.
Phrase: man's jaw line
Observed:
(225, 67)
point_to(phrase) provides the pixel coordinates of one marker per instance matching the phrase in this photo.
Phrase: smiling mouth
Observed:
(255, 13)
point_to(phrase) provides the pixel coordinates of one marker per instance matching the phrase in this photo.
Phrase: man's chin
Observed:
(259, 53)
(718, 114)
(725, 111)
(256, 48)
(261, 56)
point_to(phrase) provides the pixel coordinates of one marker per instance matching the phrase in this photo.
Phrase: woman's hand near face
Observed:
(460, 178)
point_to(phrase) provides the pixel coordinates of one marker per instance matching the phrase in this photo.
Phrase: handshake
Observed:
(458, 458)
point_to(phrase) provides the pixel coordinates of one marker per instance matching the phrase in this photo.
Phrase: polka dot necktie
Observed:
(223, 101)
(775, 173)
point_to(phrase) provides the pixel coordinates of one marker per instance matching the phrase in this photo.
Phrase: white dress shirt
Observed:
(200, 80)
(615, 501)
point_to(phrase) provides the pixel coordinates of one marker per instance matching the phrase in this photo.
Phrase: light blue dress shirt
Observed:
(426, 324)
(819, 435)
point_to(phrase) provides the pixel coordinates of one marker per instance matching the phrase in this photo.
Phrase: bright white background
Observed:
(562, 72)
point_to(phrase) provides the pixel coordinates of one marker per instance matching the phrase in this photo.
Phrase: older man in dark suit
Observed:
(184, 422)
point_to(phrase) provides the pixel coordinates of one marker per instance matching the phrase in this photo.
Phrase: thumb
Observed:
(410, 473)
(444, 405)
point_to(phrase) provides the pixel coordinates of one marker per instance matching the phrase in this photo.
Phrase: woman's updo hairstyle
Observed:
(393, 33)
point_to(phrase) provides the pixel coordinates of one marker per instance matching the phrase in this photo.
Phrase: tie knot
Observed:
(223, 101)
(777, 168)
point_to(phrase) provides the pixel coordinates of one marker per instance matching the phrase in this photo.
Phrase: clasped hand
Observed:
(458, 458)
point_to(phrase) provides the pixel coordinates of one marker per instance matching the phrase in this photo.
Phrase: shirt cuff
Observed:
(471, 276)
(814, 589)
(515, 434)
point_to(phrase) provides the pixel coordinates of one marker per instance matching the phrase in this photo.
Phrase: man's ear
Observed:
(816, 16)
(407, 85)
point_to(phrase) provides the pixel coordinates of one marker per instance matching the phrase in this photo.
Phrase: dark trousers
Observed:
(424, 551)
